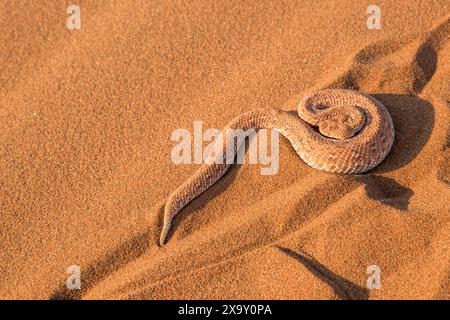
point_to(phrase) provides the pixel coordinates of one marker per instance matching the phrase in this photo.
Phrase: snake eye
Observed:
(321, 107)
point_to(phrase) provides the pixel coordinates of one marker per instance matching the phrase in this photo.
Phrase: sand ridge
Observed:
(85, 123)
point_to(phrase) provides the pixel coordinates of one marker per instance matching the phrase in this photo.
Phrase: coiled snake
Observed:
(337, 130)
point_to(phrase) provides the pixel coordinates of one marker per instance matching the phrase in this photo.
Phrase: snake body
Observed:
(336, 130)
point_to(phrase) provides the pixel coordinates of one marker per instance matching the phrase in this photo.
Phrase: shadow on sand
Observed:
(342, 287)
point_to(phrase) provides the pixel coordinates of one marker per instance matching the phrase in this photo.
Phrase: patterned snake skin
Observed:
(356, 134)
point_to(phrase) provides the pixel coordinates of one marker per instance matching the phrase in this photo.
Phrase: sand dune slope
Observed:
(86, 118)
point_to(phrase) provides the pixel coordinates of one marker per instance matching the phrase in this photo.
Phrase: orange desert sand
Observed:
(86, 118)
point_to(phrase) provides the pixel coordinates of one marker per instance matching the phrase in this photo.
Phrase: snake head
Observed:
(342, 122)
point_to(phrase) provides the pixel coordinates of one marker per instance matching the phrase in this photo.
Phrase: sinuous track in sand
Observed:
(356, 134)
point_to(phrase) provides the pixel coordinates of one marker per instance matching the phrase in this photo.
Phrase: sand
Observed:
(86, 118)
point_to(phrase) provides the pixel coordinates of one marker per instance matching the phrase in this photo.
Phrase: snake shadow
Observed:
(342, 287)
(414, 120)
(386, 191)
